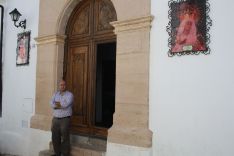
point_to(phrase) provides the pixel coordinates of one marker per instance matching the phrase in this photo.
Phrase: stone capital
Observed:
(133, 24)
(50, 39)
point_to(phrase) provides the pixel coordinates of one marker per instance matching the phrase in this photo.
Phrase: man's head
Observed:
(62, 85)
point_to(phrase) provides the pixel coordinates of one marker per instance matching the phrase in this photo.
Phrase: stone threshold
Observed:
(75, 151)
(87, 142)
(82, 146)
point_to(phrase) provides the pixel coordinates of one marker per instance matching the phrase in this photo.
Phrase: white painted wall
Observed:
(192, 97)
(19, 86)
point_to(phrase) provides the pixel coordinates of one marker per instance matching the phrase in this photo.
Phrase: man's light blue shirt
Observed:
(66, 101)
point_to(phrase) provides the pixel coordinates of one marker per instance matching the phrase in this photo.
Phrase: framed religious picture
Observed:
(23, 48)
(188, 27)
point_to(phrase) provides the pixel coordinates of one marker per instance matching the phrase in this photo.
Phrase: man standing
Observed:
(61, 103)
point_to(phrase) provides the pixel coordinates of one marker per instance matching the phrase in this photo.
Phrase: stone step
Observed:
(82, 146)
(76, 151)
(88, 143)
(46, 153)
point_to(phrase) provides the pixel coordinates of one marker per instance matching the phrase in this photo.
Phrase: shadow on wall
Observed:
(11, 143)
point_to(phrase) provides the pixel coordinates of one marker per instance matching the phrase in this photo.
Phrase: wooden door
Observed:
(87, 27)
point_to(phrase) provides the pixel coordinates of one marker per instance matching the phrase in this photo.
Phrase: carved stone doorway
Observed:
(89, 66)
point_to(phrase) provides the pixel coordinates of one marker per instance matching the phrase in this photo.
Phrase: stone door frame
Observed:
(131, 118)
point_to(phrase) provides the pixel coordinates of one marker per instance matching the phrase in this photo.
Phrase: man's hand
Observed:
(57, 105)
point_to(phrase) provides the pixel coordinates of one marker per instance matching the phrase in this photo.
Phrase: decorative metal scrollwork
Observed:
(188, 27)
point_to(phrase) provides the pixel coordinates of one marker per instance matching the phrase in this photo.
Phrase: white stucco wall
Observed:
(191, 97)
(19, 86)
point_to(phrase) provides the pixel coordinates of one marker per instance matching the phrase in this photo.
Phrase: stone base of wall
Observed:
(42, 122)
(125, 150)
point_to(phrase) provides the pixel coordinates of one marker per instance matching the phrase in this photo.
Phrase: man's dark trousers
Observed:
(61, 136)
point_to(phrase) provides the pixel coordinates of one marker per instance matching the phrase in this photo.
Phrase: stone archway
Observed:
(130, 130)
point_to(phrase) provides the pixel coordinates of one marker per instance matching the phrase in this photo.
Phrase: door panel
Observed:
(105, 13)
(82, 21)
(77, 77)
(89, 23)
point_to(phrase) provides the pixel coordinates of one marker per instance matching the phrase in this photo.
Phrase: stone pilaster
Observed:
(131, 118)
(49, 71)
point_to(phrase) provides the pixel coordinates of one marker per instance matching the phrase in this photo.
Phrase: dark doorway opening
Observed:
(105, 84)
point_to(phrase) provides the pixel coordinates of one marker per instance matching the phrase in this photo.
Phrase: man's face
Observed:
(62, 86)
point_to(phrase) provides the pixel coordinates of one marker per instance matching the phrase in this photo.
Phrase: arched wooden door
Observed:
(89, 66)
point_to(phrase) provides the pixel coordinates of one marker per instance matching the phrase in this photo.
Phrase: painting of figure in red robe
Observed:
(188, 26)
(23, 47)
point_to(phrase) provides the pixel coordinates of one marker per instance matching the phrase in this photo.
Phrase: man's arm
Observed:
(67, 101)
(55, 104)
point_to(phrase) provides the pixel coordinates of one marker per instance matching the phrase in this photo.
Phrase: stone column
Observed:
(131, 118)
(49, 72)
